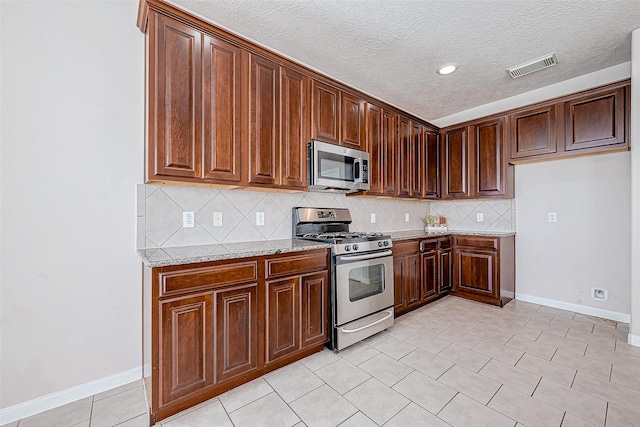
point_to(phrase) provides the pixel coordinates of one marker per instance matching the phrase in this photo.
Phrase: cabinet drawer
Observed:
(428, 245)
(444, 243)
(189, 280)
(477, 242)
(296, 264)
(406, 247)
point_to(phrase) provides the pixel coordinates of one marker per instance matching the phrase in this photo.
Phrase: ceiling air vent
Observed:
(534, 65)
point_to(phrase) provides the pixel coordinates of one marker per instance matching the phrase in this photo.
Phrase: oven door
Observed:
(363, 285)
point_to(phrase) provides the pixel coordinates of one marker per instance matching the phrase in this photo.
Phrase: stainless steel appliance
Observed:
(335, 168)
(361, 273)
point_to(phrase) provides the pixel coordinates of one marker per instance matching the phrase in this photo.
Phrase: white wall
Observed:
(72, 149)
(634, 330)
(589, 246)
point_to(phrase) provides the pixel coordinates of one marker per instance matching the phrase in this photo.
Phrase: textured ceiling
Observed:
(391, 48)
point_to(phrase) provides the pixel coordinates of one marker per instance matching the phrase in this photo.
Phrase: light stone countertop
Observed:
(178, 255)
(421, 234)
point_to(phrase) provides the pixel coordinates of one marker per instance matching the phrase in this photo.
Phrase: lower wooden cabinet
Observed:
(406, 272)
(484, 268)
(217, 325)
(435, 255)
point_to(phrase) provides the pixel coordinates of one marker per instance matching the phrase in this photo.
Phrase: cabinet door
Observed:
(455, 169)
(375, 148)
(595, 120)
(416, 161)
(296, 123)
(389, 137)
(431, 163)
(490, 159)
(412, 280)
(352, 128)
(315, 309)
(236, 331)
(325, 110)
(533, 132)
(429, 275)
(445, 267)
(222, 111)
(175, 105)
(283, 322)
(264, 129)
(185, 358)
(475, 272)
(403, 158)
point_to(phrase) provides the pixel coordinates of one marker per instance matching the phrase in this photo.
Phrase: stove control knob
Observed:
(380, 244)
(355, 247)
(347, 248)
(386, 243)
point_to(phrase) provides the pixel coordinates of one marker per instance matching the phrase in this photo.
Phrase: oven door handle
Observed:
(350, 331)
(365, 257)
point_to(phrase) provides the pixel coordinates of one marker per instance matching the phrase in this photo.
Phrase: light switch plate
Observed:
(373, 218)
(552, 217)
(406, 217)
(217, 219)
(479, 217)
(188, 219)
(259, 218)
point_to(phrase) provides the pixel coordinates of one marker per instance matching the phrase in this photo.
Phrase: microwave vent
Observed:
(533, 65)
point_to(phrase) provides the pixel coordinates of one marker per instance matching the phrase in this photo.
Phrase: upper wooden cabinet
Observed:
(492, 176)
(454, 165)
(389, 138)
(431, 159)
(338, 117)
(403, 158)
(375, 147)
(588, 122)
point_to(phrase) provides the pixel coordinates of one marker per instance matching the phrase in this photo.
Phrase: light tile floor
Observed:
(451, 363)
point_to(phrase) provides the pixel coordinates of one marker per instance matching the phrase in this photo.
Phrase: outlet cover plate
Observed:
(552, 217)
(259, 218)
(479, 217)
(217, 219)
(188, 219)
(373, 218)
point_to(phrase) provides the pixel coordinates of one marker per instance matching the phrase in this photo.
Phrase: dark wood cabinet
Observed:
(431, 162)
(533, 132)
(217, 325)
(175, 104)
(435, 255)
(416, 162)
(389, 138)
(407, 277)
(376, 149)
(596, 120)
(352, 122)
(264, 126)
(429, 264)
(326, 113)
(484, 268)
(454, 164)
(221, 66)
(445, 267)
(403, 158)
(493, 176)
(295, 122)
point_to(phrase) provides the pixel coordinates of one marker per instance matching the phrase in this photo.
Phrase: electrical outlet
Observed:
(406, 217)
(599, 294)
(188, 219)
(373, 218)
(217, 219)
(552, 217)
(259, 218)
(479, 217)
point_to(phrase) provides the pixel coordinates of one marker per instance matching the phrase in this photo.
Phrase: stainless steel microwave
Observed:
(335, 168)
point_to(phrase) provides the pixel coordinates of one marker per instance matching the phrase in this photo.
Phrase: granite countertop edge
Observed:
(180, 255)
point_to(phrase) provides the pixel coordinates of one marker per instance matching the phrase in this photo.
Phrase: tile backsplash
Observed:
(159, 214)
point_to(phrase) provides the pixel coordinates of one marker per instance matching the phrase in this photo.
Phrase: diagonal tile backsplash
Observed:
(159, 216)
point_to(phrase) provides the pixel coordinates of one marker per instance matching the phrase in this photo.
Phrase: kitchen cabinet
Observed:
(416, 161)
(484, 268)
(407, 277)
(454, 164)
(338, 117)
(376, 149)
(492, 174)
(431, 162)
(352, 123)
(403, 158)
(589, 122)
(389, 138)
(217, 325)
(435, 256)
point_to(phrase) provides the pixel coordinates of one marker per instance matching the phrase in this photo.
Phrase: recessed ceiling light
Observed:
(447, 69)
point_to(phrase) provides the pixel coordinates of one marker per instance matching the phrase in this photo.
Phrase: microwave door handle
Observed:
(357, 170)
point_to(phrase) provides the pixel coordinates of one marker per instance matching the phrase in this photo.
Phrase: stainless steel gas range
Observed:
(361, 273)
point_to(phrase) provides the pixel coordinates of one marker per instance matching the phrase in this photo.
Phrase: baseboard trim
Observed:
(507, 294)
(591, 311)
(62, 397)
(634, 340)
